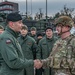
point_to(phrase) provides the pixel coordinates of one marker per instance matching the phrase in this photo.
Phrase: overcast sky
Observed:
(54, 6)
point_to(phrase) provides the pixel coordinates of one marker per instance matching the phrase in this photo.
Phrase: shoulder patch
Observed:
(8, 41)
(29, 43)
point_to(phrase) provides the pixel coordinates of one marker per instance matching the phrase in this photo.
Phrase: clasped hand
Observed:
(37, 64)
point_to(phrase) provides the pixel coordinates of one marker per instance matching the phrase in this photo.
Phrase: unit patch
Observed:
(8, 41)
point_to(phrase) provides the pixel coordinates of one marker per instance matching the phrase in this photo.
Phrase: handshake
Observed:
(38, 64)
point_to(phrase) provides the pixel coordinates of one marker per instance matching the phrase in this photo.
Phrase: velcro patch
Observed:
(29, 43)
(8, 41)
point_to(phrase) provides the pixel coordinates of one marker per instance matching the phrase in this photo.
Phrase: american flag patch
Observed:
(8, 41)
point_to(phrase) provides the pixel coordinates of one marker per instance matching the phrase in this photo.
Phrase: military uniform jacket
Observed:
(34, 36)
(45, 47)
(62, 55)
(28, 45)
(12, 58)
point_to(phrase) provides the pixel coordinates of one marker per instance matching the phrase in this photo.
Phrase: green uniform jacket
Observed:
(12, 59)
(45, 47)
(29, 46)
(34, 36)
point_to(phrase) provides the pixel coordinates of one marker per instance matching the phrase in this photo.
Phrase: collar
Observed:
(15, 34)
(24, 37)
(50, 39)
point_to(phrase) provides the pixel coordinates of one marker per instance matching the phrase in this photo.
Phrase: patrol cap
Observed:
(48, 27)
(13, 17)
(24, 27)
(33, 28)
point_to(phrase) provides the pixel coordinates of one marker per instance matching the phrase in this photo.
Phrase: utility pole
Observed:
(46, 12)
(26, 9)
(5, 0)
(31, 7)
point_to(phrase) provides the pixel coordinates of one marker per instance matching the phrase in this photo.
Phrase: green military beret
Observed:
(24, 27)
(33, 28)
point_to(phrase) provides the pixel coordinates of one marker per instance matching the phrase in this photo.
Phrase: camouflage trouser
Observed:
(62, 72)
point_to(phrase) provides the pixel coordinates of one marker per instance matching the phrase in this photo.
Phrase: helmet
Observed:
(65, 21)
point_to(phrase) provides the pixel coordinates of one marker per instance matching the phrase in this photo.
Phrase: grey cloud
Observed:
(53, 7)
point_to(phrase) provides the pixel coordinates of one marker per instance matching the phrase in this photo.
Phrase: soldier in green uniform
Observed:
(62, 57)
(39, 37)
(45, 47)
(29, 47)
(11, 56)
(33, 32)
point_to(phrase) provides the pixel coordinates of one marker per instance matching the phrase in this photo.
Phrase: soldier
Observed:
(45, 47)
(11, 57)
(29, 47)
(62, 57)
(39, 36)
(33, 33)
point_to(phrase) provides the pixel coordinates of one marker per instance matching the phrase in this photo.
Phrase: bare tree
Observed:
(67, 11)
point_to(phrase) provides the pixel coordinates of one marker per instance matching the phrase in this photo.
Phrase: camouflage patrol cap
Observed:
(33, 28)
(24, 27)
(65, 21)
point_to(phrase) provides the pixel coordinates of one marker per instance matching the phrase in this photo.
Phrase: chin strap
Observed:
(63, 32)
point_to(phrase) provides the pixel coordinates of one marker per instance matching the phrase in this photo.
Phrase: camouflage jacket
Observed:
(62, 55)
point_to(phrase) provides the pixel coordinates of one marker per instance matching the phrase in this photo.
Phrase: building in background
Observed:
(8, 7)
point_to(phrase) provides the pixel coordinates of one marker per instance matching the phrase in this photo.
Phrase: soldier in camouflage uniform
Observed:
(62, 57)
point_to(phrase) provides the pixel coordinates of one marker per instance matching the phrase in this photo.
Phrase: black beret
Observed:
(13, 17)
(48, 27)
